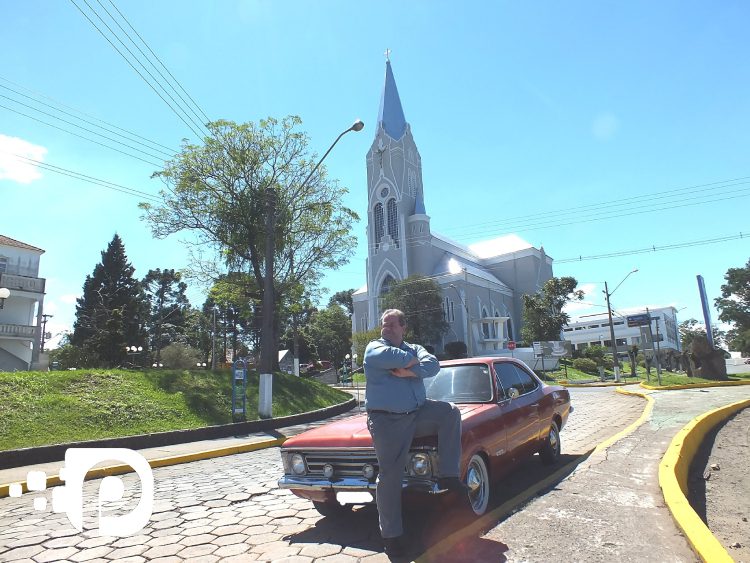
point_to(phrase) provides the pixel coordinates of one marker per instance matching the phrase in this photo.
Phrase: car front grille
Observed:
(348, 463)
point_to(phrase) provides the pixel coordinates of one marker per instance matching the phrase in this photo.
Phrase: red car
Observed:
(507, 412)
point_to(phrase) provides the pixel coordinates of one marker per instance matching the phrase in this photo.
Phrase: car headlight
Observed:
(297, 463)
(420, 464)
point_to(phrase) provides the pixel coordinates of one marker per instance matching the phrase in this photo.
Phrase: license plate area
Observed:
(354, 497)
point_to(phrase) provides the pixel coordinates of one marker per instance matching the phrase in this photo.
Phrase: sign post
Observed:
(239, 391)
(512, 347)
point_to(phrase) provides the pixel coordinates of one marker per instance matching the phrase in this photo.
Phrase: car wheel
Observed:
(478, 481)
(331, 509)
(550, 451)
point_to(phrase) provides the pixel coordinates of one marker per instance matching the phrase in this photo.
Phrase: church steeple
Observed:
(391, 115)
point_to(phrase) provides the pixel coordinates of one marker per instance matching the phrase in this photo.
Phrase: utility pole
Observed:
(267, 339)
(658, 351)
(613, 342)
(213, 343)
(44, 329)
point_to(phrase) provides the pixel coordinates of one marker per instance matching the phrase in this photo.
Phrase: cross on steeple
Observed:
(387, 55)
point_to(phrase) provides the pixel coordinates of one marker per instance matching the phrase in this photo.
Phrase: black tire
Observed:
(550, 451)
(480, 486)
(332, 509)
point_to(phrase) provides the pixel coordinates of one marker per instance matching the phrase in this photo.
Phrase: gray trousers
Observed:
(392, 435)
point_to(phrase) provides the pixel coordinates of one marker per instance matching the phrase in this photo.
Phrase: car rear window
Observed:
(461, 384)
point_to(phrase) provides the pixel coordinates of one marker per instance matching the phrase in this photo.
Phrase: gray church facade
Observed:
(481, 284)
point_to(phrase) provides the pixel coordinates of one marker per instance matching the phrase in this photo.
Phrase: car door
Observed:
(521, 412)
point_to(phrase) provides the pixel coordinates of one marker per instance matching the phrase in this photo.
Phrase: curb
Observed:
(673, 474)
(694, 385)
(614, 384)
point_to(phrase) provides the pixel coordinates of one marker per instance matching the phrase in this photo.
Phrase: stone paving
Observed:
(230, 509)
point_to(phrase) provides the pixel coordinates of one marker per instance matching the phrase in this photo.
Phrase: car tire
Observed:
(332, 509)
(550, 451)
(478, 481)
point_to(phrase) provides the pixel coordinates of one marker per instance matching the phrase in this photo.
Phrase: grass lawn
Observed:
(39, 408)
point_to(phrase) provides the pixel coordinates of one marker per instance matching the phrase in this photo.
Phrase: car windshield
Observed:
(461, 384)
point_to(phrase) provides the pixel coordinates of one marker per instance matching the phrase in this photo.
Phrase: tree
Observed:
(168, 308)
(223, 190)
(422, 302)
(734, 307)
(111, 312)
(691, 328)
(343, 298)
(543, 315)
(330, 330)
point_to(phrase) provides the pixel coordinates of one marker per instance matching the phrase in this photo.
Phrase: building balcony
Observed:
(22, 332)
(16, 282)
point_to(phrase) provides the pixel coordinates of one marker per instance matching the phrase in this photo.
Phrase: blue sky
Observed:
(587, 127)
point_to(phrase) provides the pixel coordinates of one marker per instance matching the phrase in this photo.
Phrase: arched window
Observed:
(510, 329)
(393, 220)
(412, 183)
(378, 216)
(385, 287)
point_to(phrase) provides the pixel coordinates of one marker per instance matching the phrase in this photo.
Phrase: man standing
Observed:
(397, 411)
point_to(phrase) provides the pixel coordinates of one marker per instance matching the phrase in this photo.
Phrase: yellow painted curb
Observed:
(694, 385)
(614, 384)
(673, 475)
(100, 472)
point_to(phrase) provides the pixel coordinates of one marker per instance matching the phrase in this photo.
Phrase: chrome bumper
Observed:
(427, 486)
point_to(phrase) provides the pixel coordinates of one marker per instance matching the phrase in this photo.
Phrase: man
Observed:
(397, 411)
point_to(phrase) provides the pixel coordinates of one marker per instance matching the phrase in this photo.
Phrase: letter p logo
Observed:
(69, 499)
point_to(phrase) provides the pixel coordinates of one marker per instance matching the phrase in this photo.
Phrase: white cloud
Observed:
(17, 169)
(69, 298)
(605, 126)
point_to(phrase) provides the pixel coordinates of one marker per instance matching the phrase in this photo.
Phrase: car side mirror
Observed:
(513, 393)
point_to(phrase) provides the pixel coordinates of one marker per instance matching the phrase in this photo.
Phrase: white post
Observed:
(265, 394)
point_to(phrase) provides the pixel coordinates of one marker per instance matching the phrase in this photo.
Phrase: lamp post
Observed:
(213, 341)
(354, 362)
(468, 326)
(4, 294)
(613, 342)
(133, 351)
(267, 341)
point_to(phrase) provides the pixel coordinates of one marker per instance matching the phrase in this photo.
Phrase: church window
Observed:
(384, 192)
(448, 311)
(393, 220)
(412, 183)
(378, 213)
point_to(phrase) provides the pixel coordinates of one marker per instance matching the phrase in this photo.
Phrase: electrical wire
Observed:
(196, 133)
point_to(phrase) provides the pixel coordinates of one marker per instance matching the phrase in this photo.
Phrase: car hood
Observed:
(350, 432)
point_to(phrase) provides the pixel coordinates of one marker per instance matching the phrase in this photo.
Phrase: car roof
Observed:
(478, 360)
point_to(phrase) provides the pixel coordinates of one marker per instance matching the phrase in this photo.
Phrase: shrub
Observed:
(455, 350)
(585, 365)
(179, 356)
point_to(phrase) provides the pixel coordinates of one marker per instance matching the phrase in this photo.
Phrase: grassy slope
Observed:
(38, 408)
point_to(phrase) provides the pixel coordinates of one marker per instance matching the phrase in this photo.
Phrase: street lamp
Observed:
(201, 365)
(4, 294)
(354, 361)
(267, 352)
(133, 351)
(608, 294)
(213, 341)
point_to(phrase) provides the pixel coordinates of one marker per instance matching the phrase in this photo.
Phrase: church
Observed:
(482, 284)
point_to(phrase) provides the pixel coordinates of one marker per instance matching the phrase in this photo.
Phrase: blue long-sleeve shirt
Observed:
(385, 391)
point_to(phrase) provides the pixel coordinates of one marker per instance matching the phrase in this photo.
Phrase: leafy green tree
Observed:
(330, 330)
(543, 315)
(421, 301)
(691, 328)
(167, 321)
(111, 313)
(734, 307)
(344, 298)
(362, 339)
(180, 356)
(222, 190)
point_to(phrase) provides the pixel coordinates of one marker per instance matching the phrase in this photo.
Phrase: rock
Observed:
(736, 545)
(715, 467)
(744, 519)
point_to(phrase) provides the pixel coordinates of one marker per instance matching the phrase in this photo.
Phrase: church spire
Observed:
(391, 115)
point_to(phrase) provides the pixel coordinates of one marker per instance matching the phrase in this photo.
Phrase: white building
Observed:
(482, 284)
(591, 330)
(21, 312)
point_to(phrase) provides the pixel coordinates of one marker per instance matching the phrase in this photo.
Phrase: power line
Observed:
(152, 155)
(159, 60)
(56, 105)
(156, 164)
(196, 133)
(87, 178)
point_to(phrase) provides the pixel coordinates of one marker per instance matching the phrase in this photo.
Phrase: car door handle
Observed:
(535, 405)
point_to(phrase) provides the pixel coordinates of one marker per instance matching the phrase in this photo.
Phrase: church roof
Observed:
(391, 115)
(452, 265)
(499, 246)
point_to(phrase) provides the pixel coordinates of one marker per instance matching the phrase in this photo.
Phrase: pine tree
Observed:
(110, 313)
(169, 306)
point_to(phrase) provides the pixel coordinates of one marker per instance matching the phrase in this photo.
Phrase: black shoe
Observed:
(394, 547)
(453, 484)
